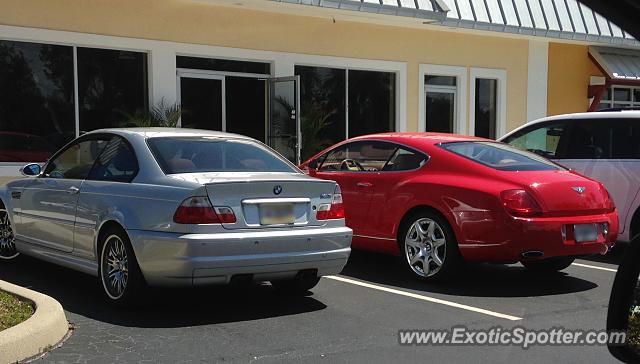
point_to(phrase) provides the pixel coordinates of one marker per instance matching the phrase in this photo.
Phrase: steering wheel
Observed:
(351, 165)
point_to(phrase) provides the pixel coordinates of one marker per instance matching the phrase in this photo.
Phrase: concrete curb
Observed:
(46, 328)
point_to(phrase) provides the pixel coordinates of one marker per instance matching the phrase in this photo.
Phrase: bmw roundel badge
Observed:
(277, 190)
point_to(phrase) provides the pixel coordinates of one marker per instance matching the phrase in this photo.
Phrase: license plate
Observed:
(585, 232)
(276, 214)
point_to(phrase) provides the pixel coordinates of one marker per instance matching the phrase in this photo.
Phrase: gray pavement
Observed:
(338, 322)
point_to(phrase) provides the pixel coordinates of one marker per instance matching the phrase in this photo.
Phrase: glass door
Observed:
(283, 130)
(202, 98)
(440, 107)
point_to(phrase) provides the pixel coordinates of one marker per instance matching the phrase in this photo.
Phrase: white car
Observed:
(175, 207)
(604, 146)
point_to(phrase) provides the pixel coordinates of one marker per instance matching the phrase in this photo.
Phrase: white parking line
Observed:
(425, 298)
(594, 267)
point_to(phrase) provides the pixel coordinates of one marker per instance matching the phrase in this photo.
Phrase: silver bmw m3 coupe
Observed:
(175, 207)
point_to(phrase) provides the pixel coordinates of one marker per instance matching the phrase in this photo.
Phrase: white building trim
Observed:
(501, 98)
(460, 122)
(162, 61)
(537, 79)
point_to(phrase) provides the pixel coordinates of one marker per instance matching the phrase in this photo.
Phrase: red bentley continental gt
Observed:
(441, 199)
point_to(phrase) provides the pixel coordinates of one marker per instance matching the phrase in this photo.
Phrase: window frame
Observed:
(321, 159)
(460, 122)
(501, 98)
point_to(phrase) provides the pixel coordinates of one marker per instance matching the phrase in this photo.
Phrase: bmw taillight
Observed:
(520, 203)
(198, 210)
(334, 210)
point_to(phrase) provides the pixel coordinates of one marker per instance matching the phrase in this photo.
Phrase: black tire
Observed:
(7, 240)
(298, 286)
(122, 282)
(436, 249)
(548, 265)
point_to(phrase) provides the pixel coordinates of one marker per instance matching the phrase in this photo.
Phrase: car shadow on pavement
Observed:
(475, 280)
(80, 294)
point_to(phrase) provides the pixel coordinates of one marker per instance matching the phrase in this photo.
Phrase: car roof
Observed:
(153, 132)
(419, 138)
(611, 115)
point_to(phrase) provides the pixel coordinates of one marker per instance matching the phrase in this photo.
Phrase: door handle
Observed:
(73, 190)
(364, 184)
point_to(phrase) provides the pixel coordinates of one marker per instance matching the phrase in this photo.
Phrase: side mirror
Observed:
(30, 170)
(313, 164)
(624, 306)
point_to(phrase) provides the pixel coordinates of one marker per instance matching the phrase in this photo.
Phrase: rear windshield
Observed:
(500, 156)
(214, 154)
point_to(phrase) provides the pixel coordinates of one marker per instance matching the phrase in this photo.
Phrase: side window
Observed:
(358, 157)
(117, 163)
(76, 161)
(405, 160)
(548, 141)
(589, 139)
(626, 139)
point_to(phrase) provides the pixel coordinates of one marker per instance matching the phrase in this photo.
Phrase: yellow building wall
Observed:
(570, 69)
(206, 23)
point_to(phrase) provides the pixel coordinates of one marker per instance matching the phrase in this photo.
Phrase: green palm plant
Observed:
(161, 115)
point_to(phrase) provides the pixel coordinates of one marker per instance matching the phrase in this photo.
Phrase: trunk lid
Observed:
(264, 199)
(564, 193)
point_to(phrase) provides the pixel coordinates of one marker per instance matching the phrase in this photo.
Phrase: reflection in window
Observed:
(76, 161)
(323, 114)
(485, 108)
(112, 86)
(223, 65)
(372, 106)
(36, 100)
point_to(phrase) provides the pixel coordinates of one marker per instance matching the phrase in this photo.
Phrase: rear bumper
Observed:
(170, 259)
(515, 236)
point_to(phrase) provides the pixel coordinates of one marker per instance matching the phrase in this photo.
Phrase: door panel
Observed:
(49, 202)
(283, 132)
(48, 212)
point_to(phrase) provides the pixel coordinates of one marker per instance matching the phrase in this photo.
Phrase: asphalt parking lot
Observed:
(352, 318)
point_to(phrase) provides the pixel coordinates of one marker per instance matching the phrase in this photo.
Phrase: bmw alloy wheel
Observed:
(114, 267)
(7, 240)
(425, 247)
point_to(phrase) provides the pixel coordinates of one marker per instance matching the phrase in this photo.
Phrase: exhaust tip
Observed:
(532, 254)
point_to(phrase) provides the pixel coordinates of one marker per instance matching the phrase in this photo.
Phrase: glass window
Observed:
(224, 65)
(201, 103)
(76, 161)
(589, 140)
(323, 115)
(440, 107)
(213, 154)
(500, 156)
(486, 108)
(621, 94)
(36, 100)
(625, 137)
(358, 157)
(440, 80)
(112, 86)
(542, 140)
(116, 163)
(372, 102)
(405, 160)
